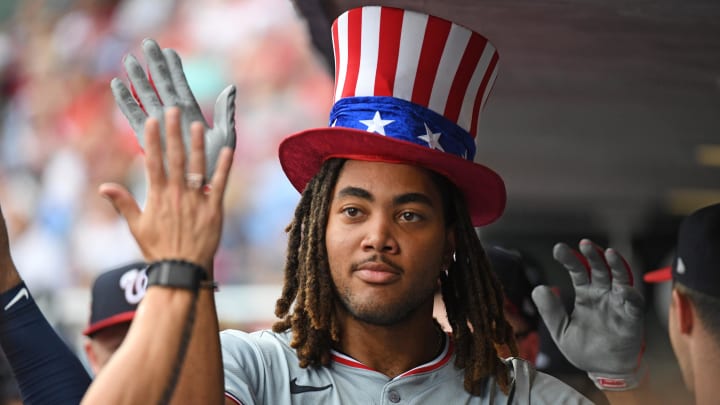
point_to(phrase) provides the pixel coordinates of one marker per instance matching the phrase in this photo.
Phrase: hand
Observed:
(166, 86)
(9, 276)
(181, 220)
(604, 333)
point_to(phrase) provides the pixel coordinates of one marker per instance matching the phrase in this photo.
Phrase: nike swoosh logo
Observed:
(20, 295)
(299, 389)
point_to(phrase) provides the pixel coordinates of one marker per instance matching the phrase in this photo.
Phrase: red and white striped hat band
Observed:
(426, 60)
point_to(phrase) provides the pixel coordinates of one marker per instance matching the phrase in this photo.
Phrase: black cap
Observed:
(511, 270)
(697, 257)
(115, 295)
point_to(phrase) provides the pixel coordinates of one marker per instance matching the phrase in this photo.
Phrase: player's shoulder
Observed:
(264, 343)
(260, 338)
(536, 387)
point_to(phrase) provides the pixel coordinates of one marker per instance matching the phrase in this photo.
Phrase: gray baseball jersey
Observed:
(262, 368)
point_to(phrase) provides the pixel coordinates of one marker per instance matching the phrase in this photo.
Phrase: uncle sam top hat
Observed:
(409, 88)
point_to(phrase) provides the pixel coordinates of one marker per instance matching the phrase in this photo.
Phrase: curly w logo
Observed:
(134, 282)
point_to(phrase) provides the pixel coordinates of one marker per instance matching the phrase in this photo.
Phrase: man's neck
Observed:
(707, 368)
(391, 350)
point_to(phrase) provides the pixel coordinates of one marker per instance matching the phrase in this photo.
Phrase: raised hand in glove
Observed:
(604, 333)
(165, 85)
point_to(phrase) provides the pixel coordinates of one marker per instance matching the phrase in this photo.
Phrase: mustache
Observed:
(378, 258)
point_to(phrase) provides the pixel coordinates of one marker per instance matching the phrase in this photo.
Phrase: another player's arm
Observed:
(141, 371)
(180, 221)
(44, 367)
(9, 276)
(201, 377)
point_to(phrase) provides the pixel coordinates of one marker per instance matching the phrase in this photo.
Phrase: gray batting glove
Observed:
(604, 333)
(166, 86)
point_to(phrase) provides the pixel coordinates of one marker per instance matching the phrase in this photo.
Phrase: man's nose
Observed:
(380, 236)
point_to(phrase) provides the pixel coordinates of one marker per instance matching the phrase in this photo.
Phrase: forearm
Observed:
(201, 379)
(142, 368)
(46, 370)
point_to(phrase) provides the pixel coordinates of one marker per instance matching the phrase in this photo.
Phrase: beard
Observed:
(386, 313)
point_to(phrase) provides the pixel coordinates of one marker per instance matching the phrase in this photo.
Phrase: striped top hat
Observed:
(409, 88)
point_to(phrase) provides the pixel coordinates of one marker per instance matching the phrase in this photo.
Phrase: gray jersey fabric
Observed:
(262, 368)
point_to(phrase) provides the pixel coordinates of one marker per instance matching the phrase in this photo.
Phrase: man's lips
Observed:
(377, 273)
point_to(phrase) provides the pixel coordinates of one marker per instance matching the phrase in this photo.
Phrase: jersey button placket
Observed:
(394, 396)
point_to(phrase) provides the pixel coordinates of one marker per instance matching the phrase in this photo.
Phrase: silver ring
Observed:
(194, 181)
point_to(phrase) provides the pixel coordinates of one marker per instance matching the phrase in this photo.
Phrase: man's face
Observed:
(386, 240)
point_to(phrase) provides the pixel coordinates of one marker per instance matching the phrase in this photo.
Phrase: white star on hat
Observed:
(377, 124)
(432, 138)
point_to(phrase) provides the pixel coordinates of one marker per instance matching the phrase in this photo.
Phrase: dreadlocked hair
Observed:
(473, 299)
(472, 294)
(308, 284)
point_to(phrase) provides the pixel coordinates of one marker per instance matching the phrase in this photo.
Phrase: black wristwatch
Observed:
(176, 274)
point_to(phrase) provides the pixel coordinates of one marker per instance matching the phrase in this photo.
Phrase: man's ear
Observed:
(684, 311)
(92, 358)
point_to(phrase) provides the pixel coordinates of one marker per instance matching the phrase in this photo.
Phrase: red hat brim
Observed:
(302, 154)
(124, 317)
(658, 276)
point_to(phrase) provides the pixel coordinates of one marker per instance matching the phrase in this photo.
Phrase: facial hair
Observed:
(387, 313)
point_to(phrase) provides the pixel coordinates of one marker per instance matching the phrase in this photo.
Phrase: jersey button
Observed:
(394, 397)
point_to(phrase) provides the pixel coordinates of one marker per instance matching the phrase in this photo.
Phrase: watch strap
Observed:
(176, 274)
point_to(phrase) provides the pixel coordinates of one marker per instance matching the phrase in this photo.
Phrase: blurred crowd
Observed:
(62, 135)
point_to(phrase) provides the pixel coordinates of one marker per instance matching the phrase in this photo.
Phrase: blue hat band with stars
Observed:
(403, 120)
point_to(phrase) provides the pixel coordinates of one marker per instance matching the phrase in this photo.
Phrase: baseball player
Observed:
(115, 295)
(178, 232)
(387, 212)
(390, 198)
(693, 321)
(144, 367)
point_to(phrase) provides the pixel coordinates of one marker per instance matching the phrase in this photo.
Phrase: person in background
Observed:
(694, 311)
(519, 275)
(114, 298)
(519, 308)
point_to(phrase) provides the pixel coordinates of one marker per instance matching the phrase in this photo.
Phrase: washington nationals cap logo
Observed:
(134, 282)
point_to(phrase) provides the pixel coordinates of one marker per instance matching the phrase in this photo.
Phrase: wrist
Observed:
(177, 274)
(620, 381)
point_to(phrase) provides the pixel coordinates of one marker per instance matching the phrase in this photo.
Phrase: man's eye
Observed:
(410, 216)
(351, 211)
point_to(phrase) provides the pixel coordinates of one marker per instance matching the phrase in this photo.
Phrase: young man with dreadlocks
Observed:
(390, 198)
